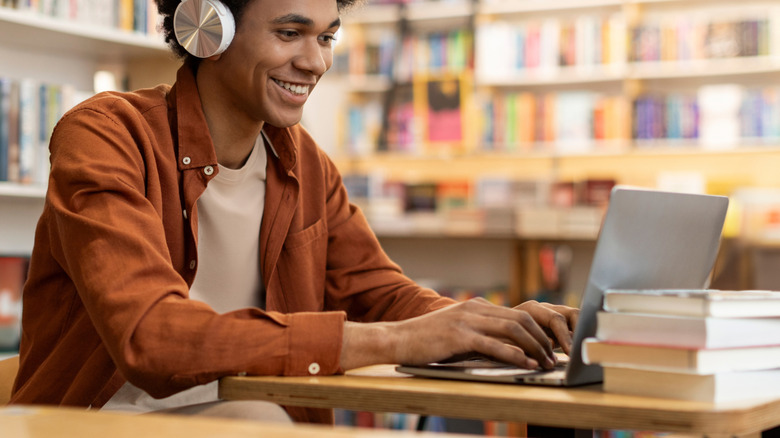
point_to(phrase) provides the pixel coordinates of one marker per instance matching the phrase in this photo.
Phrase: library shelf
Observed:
(26, 28)
(560, 76)
(373, 14)
(372, 83)
(13, 190)
(702, 68)
(438, 11)
(505, 7)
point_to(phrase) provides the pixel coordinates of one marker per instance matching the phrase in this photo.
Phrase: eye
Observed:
(328, 39)
(288, 33)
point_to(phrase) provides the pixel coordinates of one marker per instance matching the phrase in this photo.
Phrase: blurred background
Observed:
(480, 137)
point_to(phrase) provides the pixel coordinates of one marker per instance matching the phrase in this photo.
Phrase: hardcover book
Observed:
(696, 302)
(683, 360)
(687, 331)
(711, 388)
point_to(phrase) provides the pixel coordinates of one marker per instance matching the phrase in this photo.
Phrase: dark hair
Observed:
(166, 8)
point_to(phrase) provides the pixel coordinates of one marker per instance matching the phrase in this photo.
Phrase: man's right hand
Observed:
(504, 334)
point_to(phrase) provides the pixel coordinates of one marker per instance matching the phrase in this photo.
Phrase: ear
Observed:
(215, 58)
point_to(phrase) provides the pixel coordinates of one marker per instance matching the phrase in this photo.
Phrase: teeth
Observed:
(295, 89)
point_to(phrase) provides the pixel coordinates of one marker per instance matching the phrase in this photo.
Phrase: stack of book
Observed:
(700, 345)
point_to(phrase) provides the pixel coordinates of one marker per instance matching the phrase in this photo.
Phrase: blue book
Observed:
(5, 109)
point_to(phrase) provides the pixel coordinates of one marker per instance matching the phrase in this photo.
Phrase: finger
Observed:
(556, 322)
(506, 353)
(515, 326)
(572, 314)
(521, 331)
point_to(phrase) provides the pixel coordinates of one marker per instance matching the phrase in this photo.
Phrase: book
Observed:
(711, 388)
(695, 302)
(686, 360)
(5, 128)
(687, 331)
(13, 271)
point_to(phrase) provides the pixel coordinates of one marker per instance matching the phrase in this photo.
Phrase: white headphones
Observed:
(203, 27)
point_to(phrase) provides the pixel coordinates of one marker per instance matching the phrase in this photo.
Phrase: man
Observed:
(196, 231)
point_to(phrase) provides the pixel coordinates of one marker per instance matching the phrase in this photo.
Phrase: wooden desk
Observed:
(381, 389)
(48, 422)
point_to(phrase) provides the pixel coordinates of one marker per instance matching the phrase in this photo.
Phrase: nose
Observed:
(314, 57)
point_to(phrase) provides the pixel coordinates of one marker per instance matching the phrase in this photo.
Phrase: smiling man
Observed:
(196, 231)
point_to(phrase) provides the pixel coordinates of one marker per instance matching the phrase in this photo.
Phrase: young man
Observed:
(196, 231)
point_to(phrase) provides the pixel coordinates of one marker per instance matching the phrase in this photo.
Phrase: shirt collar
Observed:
(195, 146)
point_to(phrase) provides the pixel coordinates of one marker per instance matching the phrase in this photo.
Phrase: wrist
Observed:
(367, 344)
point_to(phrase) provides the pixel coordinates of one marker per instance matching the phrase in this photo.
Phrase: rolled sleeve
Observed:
(315, 343)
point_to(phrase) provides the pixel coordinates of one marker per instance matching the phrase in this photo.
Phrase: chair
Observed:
(8, 369)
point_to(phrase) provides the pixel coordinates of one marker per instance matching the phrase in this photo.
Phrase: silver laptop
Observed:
(648, 240)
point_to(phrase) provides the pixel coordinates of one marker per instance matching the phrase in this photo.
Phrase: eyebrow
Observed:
(300, 19)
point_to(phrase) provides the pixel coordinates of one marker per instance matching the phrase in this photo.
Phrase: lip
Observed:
(290, 96)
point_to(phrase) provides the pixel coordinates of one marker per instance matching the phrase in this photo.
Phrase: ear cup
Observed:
(203, 27)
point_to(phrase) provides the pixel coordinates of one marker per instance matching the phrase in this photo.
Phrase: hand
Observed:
(558, 321)
(505, 334)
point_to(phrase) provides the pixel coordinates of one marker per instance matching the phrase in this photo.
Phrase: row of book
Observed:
(127, 15)
(487, 206)
(28, 112)
(430, 115)
(712, 116)
(691, 38)
(366, 51)
(701, 345)
(717, 115)
(567, 121)
(505, 48)
(380, 51)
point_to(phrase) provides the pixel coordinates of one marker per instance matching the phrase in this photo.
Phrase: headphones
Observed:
(203, 27)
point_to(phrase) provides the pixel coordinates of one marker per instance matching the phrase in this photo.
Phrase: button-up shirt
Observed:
(115, 253)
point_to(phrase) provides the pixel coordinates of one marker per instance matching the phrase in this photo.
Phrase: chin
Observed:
(284, 122)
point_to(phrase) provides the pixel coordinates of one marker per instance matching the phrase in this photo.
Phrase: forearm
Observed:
(367, 344)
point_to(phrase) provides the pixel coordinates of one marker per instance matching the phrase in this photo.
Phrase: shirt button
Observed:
(208, 170)
(185, 213)
(192, 264)
(314, 368)
(186, 160)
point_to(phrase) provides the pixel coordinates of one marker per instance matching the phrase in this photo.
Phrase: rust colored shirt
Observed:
(115, 252)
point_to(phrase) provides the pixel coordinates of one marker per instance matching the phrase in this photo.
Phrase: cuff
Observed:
(315, 343)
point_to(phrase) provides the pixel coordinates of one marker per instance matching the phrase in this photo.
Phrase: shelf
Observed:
(638, 71)
(373, 14)
(11, 190)
(514, 6)
(438, 10)
(368, 83)
(560, 76)
(703, 68)
(48, 34)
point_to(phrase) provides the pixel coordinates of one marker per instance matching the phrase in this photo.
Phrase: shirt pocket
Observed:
(302, 267)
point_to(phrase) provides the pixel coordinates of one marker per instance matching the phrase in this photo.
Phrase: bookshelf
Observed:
(743, 161)
(62, 52)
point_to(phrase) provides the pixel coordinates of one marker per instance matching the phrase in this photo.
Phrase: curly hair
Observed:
(167, 8)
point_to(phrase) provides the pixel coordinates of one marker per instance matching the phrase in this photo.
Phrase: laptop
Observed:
(648, 240)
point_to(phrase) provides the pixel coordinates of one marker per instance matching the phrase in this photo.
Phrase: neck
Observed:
(232, 133)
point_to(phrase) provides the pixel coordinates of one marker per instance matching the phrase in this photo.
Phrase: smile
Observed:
(300, 90)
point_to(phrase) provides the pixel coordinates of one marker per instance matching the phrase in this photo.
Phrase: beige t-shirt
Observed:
(230, 212)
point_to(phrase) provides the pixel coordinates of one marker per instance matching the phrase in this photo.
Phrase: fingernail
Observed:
(532, 363)
(550, 362)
